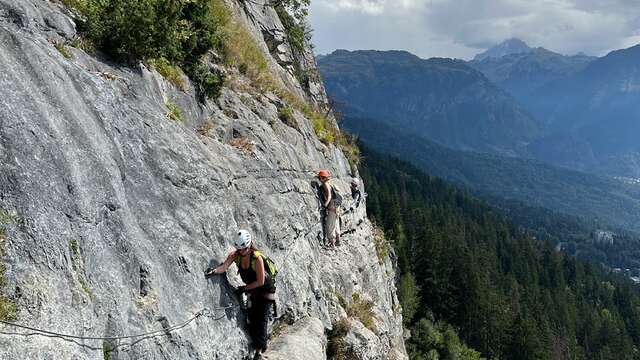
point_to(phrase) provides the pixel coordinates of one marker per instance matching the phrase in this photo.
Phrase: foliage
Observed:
(8, 310)
(208, 81)
(8, 217)
(170, 72)
(409, 296)
(381, 245)
(297, 31)
(362, 310)
(174, 32)
(285, 114)
(507, 294)
(76, 264)
(438, 341)
(336, 347)
(62, 49)
(173, 111)
(241, 51)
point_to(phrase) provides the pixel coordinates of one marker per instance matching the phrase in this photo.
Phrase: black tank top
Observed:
(249, 275)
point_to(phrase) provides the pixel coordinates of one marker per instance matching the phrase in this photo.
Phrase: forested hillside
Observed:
(509, 296)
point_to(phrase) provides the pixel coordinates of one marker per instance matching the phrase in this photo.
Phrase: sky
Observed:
(463, 28)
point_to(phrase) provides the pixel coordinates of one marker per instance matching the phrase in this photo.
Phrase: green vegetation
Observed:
(285, 114)
(297, 31)
(170, 72)
(173, 111)
(107, 348)
(62, 49)
(359, 309)
(362, 310)
(172, 35)
(179, 32)
(76, 264)
(438, 341)
(506, 294)
(8, 310)
(336, 347)
(381, 245)
(409, 295)
(241, 51)
(8, 217)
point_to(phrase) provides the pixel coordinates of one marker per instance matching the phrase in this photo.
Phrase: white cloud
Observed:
(460, 28)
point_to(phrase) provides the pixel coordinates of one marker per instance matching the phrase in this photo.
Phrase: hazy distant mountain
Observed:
(507, 47)
(594, 116)
(523, 73)
(443, 100)
(494, 177)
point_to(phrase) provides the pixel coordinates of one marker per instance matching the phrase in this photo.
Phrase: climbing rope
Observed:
(47, 333)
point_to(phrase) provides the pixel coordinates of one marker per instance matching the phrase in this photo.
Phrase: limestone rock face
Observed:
(119, 210)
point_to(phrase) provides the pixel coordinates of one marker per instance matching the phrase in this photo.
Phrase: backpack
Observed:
(269, 266)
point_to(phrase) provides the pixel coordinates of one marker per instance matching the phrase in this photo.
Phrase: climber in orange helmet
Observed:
(330, 224)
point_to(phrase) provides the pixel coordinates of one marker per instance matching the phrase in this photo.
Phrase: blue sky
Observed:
(463, 28)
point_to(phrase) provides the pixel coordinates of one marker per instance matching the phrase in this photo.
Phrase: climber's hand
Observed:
(210, 272)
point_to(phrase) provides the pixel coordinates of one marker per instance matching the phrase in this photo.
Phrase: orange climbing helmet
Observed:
(323, 173)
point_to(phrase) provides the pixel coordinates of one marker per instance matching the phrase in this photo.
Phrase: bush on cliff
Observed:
(180, 31)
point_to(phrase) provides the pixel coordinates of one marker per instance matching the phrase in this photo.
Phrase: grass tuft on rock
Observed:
(381, 244)
(362, 310)
(8, 310)
(174, 112)
(62, 49)
(171, 72)
(337, 349)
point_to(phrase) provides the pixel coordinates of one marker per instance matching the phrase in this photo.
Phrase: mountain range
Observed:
(587, 108)
(444, 100)
(513, 123)
(578, 112)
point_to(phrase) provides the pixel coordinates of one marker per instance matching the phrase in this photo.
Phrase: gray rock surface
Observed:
(122, 209)
(303, 340)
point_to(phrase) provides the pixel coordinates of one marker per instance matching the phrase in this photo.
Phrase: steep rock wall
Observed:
(119, 209)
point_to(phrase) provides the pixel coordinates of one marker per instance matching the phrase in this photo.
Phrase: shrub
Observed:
(180, 32)
(336, 347)
(8, 217)
(208, 82)
(285, 114)
(62, 49)
(173, 111)
(362, 310)
(296, 30)
(8, 310)
(169, 71)
(381, 245)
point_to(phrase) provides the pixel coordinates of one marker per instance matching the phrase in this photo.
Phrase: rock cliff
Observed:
(112, 211)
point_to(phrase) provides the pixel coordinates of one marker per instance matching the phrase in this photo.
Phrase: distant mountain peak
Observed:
(507, 47)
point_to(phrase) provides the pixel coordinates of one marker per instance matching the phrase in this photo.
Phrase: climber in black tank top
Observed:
(259, 285)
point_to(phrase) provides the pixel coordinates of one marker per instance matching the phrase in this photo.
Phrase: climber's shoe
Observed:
(258, 356)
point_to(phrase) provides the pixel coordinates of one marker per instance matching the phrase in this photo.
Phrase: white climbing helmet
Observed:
(355, 181)
(243, 240)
